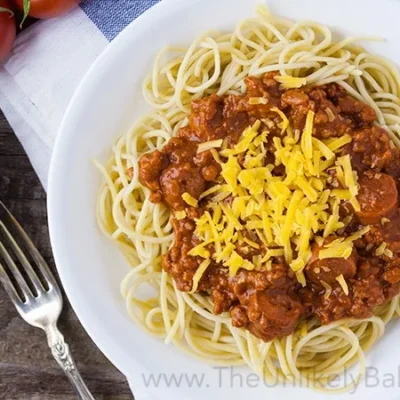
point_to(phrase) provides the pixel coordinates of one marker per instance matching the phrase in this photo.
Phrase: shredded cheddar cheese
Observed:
(257, 100)
(381, 249)
(291, 82)
(280, 216)
(285, 122)
(303, 329)
(306, 138)
(179, 215)
(328, 289)
(342, 282)
(340, 250)
(338, 143)
(191, 201)
(198, 274)
(388, 253)
(330, 114)
(213, 144)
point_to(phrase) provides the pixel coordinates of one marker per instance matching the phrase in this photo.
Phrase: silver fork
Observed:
(40, 307)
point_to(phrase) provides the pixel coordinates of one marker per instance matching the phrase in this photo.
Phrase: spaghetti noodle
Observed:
(218, 64)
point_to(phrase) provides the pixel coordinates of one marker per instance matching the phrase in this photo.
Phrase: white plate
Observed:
(106, 104)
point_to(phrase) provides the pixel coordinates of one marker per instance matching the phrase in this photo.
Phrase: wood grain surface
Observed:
(27, 369)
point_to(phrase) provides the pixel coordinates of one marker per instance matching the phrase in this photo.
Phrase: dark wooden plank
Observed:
(27, 369)
(18, 180)
(9, 144)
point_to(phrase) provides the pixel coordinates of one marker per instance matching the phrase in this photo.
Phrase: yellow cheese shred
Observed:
(212, 144)
(198, 274)
(179, 215)
(191, 201)
(342, 282)
(236, 262)
(381, 249)
(285, 122)
(340, 250)
(303, 329)
(291, 82)
(258, 100)
(338, 143)
(328, 289)
(306, 139)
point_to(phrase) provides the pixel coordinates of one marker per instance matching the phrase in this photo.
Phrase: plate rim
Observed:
(103, 342)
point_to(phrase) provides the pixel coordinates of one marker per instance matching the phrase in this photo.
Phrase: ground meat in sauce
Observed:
(270, 303)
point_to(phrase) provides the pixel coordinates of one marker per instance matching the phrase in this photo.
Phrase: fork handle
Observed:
(62, 354)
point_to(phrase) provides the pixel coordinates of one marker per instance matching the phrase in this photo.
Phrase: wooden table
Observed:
(27, 369)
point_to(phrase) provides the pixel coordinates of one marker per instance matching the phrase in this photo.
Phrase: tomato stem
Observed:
(27, 8)
(7, 10)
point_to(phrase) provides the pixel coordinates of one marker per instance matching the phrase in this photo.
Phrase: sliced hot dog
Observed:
(272, 314)
(329, 269)
(378, 197)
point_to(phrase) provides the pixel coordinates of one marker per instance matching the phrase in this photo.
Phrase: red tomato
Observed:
(7, 30)
(44, 9)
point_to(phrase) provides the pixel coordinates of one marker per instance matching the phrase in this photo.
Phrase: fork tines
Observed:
(22, 289)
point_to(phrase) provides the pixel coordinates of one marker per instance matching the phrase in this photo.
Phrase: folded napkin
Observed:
(48, 61)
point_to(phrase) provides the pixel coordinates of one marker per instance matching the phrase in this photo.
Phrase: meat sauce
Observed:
(271, 303)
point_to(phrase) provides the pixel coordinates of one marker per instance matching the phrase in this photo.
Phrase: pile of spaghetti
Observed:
(275, 194)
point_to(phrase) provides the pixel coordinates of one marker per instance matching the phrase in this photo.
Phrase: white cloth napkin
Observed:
(48, 62)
